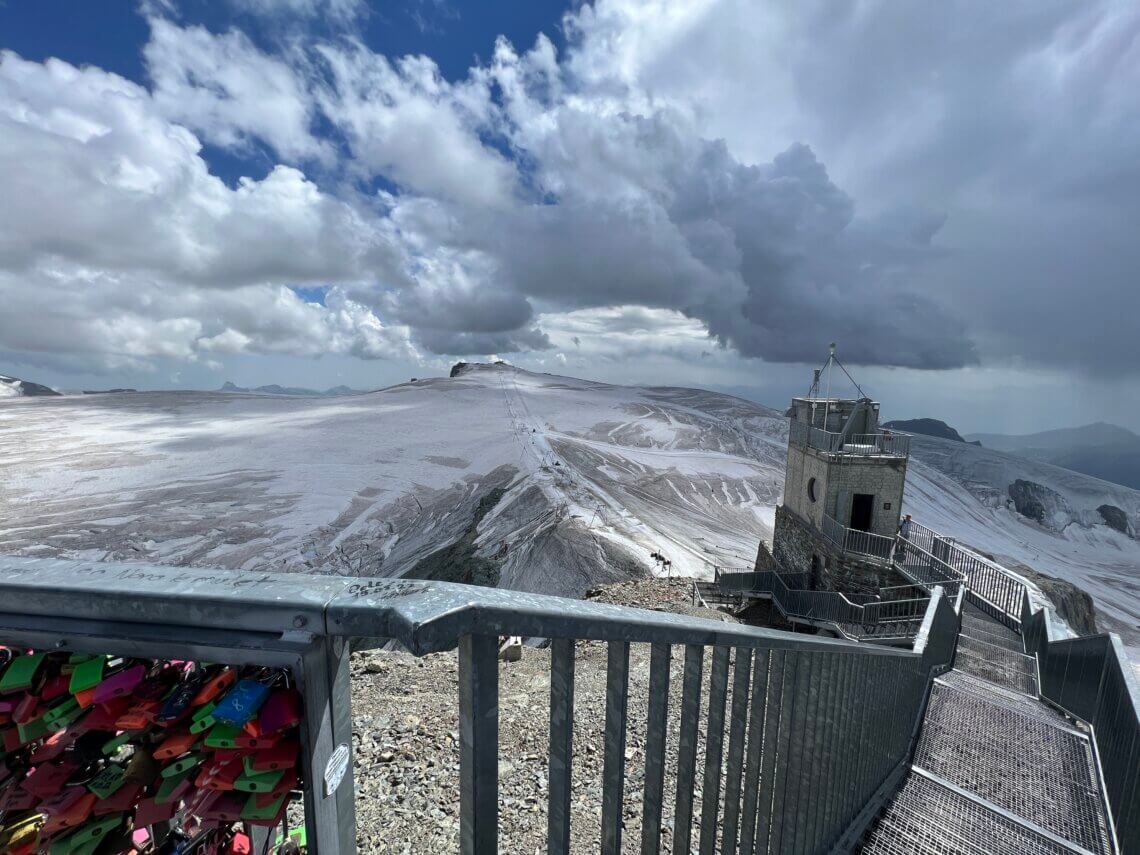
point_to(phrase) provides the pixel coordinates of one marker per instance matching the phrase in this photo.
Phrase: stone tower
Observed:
(843, 492)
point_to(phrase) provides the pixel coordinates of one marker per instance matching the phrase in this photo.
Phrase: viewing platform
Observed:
(881, 444)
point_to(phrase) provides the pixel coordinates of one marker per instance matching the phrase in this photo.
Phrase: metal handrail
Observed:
(790, 693)
(991, 587)
(866, 445)
(925, 569)
(1091, 678)
(857, 541)
(853, 620)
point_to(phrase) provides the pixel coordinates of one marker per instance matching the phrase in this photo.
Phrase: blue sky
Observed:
(700, 192)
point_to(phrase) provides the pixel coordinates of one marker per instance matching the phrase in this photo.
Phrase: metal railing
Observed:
(819, 736)
(867, 444)
(992, 588)
(890, 619)
(1092, 679)
(924, 568)
(858, 542)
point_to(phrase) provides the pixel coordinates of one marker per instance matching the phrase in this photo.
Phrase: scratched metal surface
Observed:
(140, 593)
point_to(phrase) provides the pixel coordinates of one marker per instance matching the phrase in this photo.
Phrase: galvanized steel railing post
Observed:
(714, 749)
(655, 748)
(561, 744)
(687, 748)
(738, 720)
(478, 744)
(613, 771)
(755, 744)
(329, 799)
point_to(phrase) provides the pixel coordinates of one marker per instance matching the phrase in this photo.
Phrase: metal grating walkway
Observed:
(995, 770)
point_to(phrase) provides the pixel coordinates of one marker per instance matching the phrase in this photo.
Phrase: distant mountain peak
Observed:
(927, 427)
(278, 389)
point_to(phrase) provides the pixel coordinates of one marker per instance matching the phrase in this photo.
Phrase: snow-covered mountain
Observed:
(14, 387)
(1101, 450)
(538, 482)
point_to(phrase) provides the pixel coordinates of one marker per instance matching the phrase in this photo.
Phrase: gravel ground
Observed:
(405, 716)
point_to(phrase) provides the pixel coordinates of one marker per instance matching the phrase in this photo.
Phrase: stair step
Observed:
(927, 818)
(1031, 768)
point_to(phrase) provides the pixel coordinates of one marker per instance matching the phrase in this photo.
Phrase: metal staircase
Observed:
(996, 770)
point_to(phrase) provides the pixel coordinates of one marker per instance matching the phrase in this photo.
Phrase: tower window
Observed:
(811, 489)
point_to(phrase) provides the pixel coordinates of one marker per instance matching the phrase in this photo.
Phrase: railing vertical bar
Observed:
(714, 749)
(774, 713)
(687, 750)
(478, 744)
(803, 744)
(655, 748)
(868, 691)
(613, 772)
(784, 748)
(818, 777)
(755, 746)
(839, 765)
(561, 745)
(738, 721)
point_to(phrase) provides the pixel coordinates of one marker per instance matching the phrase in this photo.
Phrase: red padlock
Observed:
(175, 745)
(53, 746)
(140, 717)
(103, 716)
(214, 686)
(68, 810)
(56, 687)
(27, 709)
(148, 812)
(226, 808)
(239, 844)
(280, 756)
(123, 799)
(47, 780)
(17, 798)
(219, 776)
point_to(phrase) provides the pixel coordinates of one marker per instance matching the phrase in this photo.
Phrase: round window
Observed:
(811, 489)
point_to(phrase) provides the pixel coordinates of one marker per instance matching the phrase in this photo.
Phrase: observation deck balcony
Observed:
(855, 445)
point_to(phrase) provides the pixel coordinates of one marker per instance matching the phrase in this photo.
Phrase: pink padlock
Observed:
(119, 684)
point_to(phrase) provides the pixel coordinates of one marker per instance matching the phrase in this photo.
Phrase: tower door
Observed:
(862, 506)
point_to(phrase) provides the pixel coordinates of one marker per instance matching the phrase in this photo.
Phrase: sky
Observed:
(698, 192)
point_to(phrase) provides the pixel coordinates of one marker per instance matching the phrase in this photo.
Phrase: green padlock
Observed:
(21, 672)
(170, 785)
(107, 781)
(252, 812)
(35, 729)
(258, 782)
(115, 743)
(63, 710)
(202, 720)
(190, 761)
(87, 839)
(222, 736)
(87, 675)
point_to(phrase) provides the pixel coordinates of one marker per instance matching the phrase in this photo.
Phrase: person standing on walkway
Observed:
(904, 535)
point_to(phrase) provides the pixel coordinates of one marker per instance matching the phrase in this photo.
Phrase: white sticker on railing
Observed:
(335, 769)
